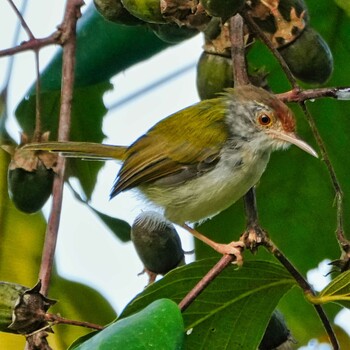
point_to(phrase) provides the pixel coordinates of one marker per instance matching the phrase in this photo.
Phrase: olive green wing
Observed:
(177, 149)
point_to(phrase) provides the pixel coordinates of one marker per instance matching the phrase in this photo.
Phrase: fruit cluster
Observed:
(286, 23)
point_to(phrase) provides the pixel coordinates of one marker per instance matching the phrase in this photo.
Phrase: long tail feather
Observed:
(85, 150)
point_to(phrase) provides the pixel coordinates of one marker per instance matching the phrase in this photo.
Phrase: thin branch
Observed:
(344, 243)
(255, 29)
(37, 130)
(72, 13)
(339, 93)
(240, 75)
(305, 286)
(21, 19)
(34, 44)
(215, 271)
(56, 319)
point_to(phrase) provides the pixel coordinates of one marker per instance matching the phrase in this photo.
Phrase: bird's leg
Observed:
(254, 235)
(233, 248)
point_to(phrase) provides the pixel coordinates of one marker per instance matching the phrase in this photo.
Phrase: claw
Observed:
(233, 248)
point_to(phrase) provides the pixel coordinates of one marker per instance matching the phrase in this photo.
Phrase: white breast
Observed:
(212, 192)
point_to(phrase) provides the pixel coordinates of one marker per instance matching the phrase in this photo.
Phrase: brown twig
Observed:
(72, 13)
(339, 93)
(256, 30)
(239, 64)
(305, 286)
(344, 243)
(23, 23)
(33, 44)
(56, 319)
(225, 261)
(21, 19)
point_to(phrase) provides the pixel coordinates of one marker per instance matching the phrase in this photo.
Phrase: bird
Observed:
(200, 160)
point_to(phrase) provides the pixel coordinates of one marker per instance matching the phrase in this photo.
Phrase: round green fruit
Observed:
(214, 74)
(146, 10)
(29, 190)
(222, 8)
(157, 242)
(114, 11)
(172, 33)
(309, 57)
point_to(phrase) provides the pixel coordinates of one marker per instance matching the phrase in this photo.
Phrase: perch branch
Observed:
(215, 271)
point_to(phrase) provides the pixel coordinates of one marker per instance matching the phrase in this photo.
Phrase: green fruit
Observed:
(222, 8)
(114, 11)
(172, 33)
(276, 334)
(282, 25)
(309, 57)
(146, 10)
(29, 190)
(214, 74)
(156, 242)
(10, 294)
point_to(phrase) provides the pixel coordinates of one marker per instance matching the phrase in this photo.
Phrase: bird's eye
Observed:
(264, 119)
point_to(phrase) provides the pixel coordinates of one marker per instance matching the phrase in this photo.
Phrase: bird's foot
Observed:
(233, 248)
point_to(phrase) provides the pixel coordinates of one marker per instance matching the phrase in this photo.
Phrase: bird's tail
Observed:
(84, 150)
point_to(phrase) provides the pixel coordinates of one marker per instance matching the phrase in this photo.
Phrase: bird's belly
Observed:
(210, 193)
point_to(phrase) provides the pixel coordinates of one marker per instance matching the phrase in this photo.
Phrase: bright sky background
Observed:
(87, 251)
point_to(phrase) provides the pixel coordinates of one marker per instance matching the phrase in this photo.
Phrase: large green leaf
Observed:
(157, 326)
(232, 312)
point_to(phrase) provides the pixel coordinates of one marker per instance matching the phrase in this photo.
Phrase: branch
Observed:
(56, 319)
(344, 243)
(305, 286)
(215, 271)
(240, 75)
(255, 29)
(72, 13)
(33, 44)
(297, 95)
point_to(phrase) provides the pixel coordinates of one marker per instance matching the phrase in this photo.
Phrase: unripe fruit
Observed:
(156, 242)
(214, 74)
(29, 190)
(309, 57)
(172, 33)
(146, 10)
(114, 11)
(276, 334)
(222, 8)
(281, 21)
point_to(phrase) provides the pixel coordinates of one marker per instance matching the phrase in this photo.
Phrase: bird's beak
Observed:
(294, 139)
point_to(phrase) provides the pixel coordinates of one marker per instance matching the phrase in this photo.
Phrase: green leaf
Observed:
(157, 326)
(344, 4)
(337, 291)
(234, 304)
(119, 227)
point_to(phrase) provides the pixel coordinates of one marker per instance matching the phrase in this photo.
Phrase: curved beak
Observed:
(294, 139)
